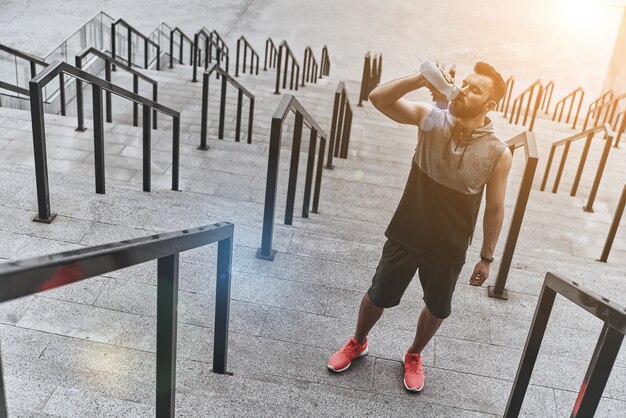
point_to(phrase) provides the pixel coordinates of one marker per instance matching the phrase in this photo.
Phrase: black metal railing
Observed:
(221, 53)
(286, 52)
(594, 108)
(372, 70)
(619, 126)
(147, 42)
(619, 211)
(561, 105)
(108, 62)
(33, 62)
(325, 64)
(271, 52)
(519, 102)
(528, 142)
(589, 134)
(181, 46)
(287, 104)
(340, 127)
(309, 67)
(241, 91)
(31, 276)
(246, 46)
(548, 89)
(604, 354)
(39, 136)
(506, 99)
(609, 109)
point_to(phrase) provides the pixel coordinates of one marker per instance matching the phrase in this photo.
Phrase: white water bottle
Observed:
(432, 73)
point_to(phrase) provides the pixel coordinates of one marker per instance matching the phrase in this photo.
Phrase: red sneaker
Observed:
(413, 372)
(342, 359)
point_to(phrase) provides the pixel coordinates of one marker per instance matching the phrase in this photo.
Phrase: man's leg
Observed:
(427, 326)
(369, 314)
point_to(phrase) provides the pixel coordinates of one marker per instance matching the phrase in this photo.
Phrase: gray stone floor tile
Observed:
(85, 291)
(26, 394)
(12, 311)
(607, 408)
(77, 402)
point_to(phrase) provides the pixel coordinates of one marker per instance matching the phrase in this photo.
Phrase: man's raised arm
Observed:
(387, 98)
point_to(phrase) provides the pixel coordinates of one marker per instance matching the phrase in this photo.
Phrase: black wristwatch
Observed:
(486, 259)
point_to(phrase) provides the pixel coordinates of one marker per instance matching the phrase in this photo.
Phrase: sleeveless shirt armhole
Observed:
(497, 160)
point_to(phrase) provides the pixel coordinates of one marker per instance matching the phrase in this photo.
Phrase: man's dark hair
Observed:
(497, 91)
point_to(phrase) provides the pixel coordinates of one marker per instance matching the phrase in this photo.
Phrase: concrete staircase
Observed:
(88, 349)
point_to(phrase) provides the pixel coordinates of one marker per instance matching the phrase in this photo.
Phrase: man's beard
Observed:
(462, 111)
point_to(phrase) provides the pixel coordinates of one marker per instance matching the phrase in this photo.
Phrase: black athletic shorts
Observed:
(395, 271)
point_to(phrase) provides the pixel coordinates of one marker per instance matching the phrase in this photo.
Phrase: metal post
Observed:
(280, 52)
(619, 211)
(237, 60)
(238, 123)
(578, 109)
(130, 48)
(158, 58)
(286, 68)
(365, 80)
(265, 58)
(308, 182)
(135, 104)
(293, 168)
(113, 42)
(222, 304)
(498, 290)
(39, 148)
(3, 401)
(581, 164)
(222, 108)
(79, 100)
(561, 166)
(172, 49)
(297, 75)
(266, 252)
(596, 180)
(250, 120)
(346, 134)
(245, 57)
(147, 133)
(175, 152)
(531, 350)
(194, 79)
(318, 175)
(293, 71)
(204, 114)
(166, 334)
(155, 98)
(98, 137)
(145, 54)
(181, 49)
(548, 165)
(340, 123)
(536, 109)
(107, 77)
(333, 130)
(207, 55)
(62, 93)
(622, 127)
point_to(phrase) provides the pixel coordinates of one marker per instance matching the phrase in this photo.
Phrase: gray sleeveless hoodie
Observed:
(437, 213)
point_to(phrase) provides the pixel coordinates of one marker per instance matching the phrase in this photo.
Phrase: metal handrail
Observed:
(36, 86)
(518, 102)
(619, 211)
(209, 43)
(590, 134)
(290, 104)
(108, 62)
(562, 102)
(14, 89)
(528, 142)
(309, 66)
(508, 92)
(599, 102)
(609, 114)
(622, 127)
(273, 54)
(547, 94)
(31, 276)
(146, 39)
(340, 127)
(183, 38)
(220, 42)
(78, 30)
(372, 69)
(604, 355)
(24, 55)
(294, 66)
(325, 64)
(253, 53)
(241, 91)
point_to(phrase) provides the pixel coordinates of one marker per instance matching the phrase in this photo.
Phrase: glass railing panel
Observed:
(8, 65)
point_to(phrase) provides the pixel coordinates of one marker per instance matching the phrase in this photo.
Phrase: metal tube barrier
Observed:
(309, 67)
(372, 69)
(341, 125)
(34, 275)
(622, 127)
(221, 51)
(619, 211)
(182, 40)
(604, 355)
(325, 63)
(547, 96)
(528, 142)
(295, 68)
(147, 42)
(205, 106)
(589, 134)
(253, 55)
(109, 62)
(518, 102)
(287, 104)
(508, 92)
(593, 107)
(561, 105)
(37, 85)
(271, 52)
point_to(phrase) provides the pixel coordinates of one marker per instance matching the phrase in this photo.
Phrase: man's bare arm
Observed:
(387, 98)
